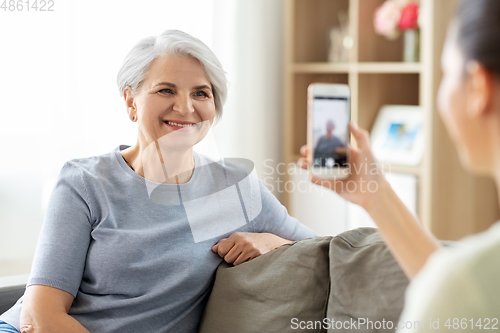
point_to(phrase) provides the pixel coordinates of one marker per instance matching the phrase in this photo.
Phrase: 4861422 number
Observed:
(465, 323)
(27, 5)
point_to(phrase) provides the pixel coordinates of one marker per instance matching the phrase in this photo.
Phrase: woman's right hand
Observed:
(366, 173)
(410, 243)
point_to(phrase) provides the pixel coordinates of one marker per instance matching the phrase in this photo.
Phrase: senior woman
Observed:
(132, 238)
(458, 287)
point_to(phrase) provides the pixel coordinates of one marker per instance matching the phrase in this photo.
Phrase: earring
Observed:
(130, 109)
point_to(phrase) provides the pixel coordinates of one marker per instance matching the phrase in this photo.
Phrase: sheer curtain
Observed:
(60, 100)
(249, 41)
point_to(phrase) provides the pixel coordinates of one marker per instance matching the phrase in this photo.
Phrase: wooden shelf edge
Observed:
(411, 170)
(361, 67)
(389, 67)
(321, 67)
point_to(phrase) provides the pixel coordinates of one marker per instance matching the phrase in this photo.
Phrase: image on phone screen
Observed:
(330, 131)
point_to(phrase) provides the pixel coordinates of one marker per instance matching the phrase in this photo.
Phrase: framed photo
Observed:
(397, 135)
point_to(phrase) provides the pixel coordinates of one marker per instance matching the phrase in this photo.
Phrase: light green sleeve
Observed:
(457, 291)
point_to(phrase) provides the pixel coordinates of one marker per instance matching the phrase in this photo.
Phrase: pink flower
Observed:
(386, 19)
(409, 17)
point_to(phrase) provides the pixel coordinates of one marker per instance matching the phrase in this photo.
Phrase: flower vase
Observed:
(411, 45)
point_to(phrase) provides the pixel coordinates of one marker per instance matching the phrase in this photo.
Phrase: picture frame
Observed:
(398, 135)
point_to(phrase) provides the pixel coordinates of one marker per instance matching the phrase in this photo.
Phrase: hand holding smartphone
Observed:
(328, 117)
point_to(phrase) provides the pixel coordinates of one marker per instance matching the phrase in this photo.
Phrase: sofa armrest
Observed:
(11, 289)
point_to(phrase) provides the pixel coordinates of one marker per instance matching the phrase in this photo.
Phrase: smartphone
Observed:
(328, 117)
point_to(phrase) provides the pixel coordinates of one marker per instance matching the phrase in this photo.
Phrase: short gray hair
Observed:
(137, 62)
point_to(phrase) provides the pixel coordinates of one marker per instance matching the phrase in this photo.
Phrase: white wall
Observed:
(60, 101)
(251, 49)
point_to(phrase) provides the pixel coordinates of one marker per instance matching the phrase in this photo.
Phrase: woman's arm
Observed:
(60, 256)
(45, 309)
(410, 243)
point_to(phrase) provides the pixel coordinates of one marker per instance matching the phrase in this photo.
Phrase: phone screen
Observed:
(330, 131)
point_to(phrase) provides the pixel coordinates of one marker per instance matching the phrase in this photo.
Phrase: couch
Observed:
(348, 282)
(11, 288)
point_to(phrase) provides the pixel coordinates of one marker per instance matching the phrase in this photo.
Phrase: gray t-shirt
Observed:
(327, 146)
(137, 255)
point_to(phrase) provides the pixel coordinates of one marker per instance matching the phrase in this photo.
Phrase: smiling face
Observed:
(175, 103)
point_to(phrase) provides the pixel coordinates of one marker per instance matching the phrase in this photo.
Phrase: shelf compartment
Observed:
(373, 47)
(313, 20)
(376, 90)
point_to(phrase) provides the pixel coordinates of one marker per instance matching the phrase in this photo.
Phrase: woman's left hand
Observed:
(245, 246)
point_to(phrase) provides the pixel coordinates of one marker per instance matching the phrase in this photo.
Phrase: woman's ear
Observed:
(128, 96)
(481, 86)
(129, 101)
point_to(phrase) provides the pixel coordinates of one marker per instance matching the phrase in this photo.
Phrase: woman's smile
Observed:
(180, 125)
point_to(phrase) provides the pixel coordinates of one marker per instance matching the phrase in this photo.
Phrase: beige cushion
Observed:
(367, 283)
(349, 276)
(262, 295)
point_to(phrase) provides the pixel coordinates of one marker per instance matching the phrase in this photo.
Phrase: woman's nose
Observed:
(183, 104)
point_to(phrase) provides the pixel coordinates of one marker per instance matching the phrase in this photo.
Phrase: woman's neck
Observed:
(160, 164)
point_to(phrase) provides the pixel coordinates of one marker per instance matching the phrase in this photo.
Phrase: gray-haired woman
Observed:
(132, 238)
